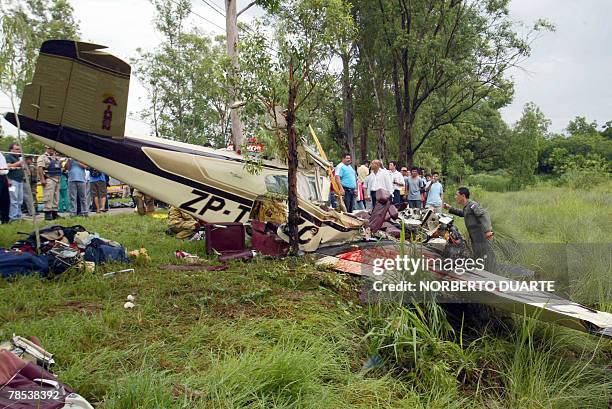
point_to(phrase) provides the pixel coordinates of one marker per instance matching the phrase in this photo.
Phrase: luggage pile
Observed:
(61, 248)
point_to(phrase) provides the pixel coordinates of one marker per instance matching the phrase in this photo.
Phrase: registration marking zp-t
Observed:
(204, 202)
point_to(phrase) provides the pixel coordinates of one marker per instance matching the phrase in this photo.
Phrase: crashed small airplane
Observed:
(77, 104)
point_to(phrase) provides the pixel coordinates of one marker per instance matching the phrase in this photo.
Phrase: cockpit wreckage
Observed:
(77, 104)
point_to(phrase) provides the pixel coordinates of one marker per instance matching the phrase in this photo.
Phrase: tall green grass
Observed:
(267, 334)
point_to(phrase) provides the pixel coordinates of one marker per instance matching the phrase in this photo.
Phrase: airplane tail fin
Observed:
(77, 85)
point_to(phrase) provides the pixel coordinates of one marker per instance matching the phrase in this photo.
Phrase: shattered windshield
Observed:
(306, 184)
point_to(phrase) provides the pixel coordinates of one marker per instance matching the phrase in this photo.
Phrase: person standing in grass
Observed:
(346, 178)
(414, 184)
(49, 172)
(5, 199)
(478, 224)
(363, 197)
(77, 190)
(64, 202)
(32, 176)
(434, 192)
(97, 187)
(16, 177)
(398, 181)
(378, 178)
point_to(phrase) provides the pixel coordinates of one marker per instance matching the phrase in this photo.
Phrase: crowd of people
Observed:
(416, 189)
(68, 185)
(358, 187)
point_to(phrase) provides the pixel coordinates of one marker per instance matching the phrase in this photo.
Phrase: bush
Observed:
(583, 179)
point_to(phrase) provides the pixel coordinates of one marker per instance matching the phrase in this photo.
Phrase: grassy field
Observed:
(282, 334)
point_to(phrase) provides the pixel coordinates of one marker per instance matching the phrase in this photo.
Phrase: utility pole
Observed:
(231, 29)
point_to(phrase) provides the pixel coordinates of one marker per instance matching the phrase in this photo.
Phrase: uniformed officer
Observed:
(478, 224)
(49, 171)
(181, 224)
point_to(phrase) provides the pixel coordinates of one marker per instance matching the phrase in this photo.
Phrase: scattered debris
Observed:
(193, 267)
(140, 256)
(26, 381)
(224, 238)
(373, 362)
(238, 255)
(128, 305)
(188, 257)
(113, 273)
(61, 248)
(266, 241)
(130, 297)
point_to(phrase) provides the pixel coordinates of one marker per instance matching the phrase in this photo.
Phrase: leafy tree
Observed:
(24, 26)
(580, 126)
(527, 138)
(307, 34)
(186, 81)
(607, 130)
(444, 58)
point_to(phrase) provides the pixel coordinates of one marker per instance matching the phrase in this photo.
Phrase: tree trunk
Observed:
(407, 152)
(292, 162)
(347, 99)
(381, 146)
(363, 140)
(231, 28)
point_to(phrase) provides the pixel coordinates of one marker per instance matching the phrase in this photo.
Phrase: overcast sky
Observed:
(568, 73)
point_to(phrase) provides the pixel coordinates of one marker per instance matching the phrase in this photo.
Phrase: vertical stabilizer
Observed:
(78, 86)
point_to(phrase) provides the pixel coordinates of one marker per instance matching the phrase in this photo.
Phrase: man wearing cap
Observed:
(49, 171)
(478, 224)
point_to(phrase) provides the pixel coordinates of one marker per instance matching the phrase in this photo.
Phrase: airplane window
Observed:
(306, 185)
(312, 188)
(277, 184)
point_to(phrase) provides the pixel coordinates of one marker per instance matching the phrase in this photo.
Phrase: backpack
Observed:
(100, 251)
(48, 234)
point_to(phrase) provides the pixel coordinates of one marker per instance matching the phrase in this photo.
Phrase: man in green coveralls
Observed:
(478, 224)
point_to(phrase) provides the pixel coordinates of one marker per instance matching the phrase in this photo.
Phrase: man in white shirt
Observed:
(378, 178)
(397, 180)
(5, 199)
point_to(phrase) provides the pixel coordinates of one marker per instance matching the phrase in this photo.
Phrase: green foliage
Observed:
(307, 33)
(30, 145)
(264, 335)
(185, 78)
(580, 126)
(442, 59)
(25, 26)
(491, 182)
(562, 162)
(457, 169)
(527, 137)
